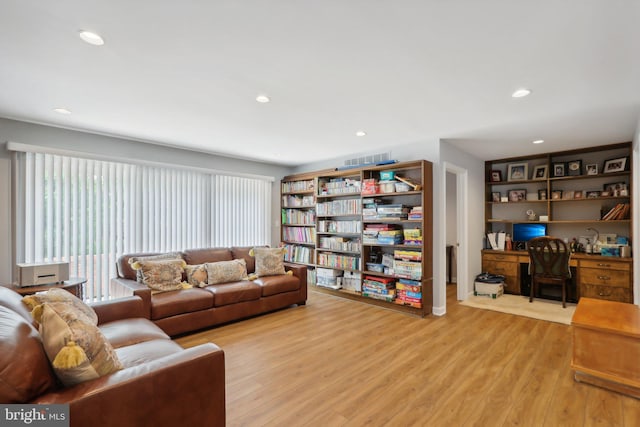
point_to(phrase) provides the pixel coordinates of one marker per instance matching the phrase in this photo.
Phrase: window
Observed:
(89, 212)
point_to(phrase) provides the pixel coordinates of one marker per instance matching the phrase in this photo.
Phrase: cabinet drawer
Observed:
(616, 278)
(500, 257)
(605, 292)
(498, 267)
(511, 285)
(608, 265)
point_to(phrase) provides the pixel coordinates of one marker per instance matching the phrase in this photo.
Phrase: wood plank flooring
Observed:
(336, 362)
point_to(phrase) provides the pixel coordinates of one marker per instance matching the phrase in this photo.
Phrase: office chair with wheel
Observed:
(549, 264)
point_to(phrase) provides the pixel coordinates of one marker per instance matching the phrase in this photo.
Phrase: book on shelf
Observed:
(618, 212)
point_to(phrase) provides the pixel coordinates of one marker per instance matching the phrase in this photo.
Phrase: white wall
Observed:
(635, 240)
(27, 133)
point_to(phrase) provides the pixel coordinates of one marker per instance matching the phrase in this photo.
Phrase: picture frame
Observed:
(542, 194)
(495, 176)
(518, 195)
(574, 168)
(558, 169)
(518, 172)
(616, 189)
(591, 169)
(540, 172)
(577, 194)
(615, 165)
(592, 194)
(569, 194)
(495, 197)
(556, 194)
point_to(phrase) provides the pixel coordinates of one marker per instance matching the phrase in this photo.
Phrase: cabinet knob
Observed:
(604, 277)
(603, 294)
(601, 264)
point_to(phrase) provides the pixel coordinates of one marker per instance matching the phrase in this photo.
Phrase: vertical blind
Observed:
(89, 212)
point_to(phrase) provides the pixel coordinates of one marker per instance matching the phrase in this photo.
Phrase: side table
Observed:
(74, 285)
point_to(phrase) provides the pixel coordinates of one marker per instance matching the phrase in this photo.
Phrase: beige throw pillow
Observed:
(226, 271)
(162, 276)
(61, 296)
(161, 257)
(76, 348)
(269, 261)
(197, 275)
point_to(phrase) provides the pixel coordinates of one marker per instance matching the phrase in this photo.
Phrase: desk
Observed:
(74, 285)
(597, 276)
(606, 345)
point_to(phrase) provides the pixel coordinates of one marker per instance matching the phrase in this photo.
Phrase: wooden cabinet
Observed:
(505, 265)
(610, 280)
(365, 235)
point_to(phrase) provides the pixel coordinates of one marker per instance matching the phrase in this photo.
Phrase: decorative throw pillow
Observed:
(77, 349)
(269, 261)
(226, 271)
(60, 296)
(161, 257)
(196, 275)
(162, 276)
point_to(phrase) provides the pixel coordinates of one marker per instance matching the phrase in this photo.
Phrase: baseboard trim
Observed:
(439, 311)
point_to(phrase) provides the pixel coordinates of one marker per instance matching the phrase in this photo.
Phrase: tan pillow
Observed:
(61, 296)
(269, 261)
(162, 276)
(161, 257)
(76, 348)
(196, 275)
(226, 271)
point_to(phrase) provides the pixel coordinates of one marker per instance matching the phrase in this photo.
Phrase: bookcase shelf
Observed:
(344, 190)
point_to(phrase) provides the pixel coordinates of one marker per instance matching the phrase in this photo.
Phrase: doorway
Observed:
(456, 233)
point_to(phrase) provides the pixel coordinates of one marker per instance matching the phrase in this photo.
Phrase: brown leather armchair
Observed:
(161, 384)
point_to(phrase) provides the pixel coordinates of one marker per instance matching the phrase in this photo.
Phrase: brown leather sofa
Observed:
(161, 384)
(187, 310)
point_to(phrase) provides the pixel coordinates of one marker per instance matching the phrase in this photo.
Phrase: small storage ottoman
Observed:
(493, 290)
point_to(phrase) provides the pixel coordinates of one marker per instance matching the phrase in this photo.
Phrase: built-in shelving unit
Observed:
(373, 233)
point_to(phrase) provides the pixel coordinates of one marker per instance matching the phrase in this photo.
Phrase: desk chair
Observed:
(549, 264)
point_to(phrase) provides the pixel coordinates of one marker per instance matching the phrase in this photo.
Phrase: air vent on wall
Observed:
(373, 158)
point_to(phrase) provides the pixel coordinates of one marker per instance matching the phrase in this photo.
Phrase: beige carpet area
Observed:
(542, 309)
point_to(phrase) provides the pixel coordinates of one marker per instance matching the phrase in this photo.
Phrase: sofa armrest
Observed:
(299, 271)
(185, 388)
(119, 287)
(120, 308)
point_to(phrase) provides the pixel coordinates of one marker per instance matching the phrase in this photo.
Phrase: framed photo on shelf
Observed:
(615, 189)
(542, 194)
(556, 194)
(540, 172)
(592, 169)
(496, 176)
(518, 172)
(568, 194)
(495, 197)
(592, 194)
(574, 168)
(558, 169)
(577, 194)
(517, 195)
(615, 165)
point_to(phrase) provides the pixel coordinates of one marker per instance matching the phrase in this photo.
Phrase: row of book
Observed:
(339, 226)
(293, 186)
(297, 216)
(340, 186)
(619, 211)
(293, 201)
(299, 234)
(339, 261)
(340, 207)
(340, 243)
(403, 292)
(300, 254)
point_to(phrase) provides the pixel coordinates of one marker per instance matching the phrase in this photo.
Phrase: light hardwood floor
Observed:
(337, 362)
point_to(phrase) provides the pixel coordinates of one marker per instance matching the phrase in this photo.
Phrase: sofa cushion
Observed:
(134, 260)
(197, 275)
(123, 267)
(147, 351)
(162, 275)
(121, 333)
(226, 271)
(235, 292)
(269, 261)
(178, 302)
(272, 285)
(25, 371)
(202, 256)
(77, 349)
(56, 295)
(13, 301)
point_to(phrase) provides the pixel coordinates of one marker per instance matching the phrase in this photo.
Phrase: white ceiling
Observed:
(186, 73)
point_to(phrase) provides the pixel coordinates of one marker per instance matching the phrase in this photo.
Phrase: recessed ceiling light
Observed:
(538, 141)
(262, 99)
(91, 38)
(361, 133)
(520, 93)
(62, 111)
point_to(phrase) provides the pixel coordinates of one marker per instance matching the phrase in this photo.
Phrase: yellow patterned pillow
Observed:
(134, 260)
(162, 276)
(226, 271)
(60, 296)
(196, 275)
(76, 348)
(269, 261)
